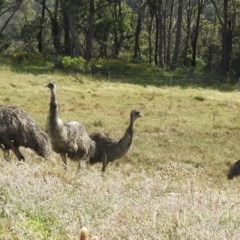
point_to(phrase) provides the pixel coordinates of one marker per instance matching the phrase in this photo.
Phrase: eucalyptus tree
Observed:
(140, 15)
(178, 35)
(195, 32)
(7, 10)
(227, 13)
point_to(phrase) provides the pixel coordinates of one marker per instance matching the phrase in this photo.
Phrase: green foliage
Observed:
(5, 42)
(29, 62)
(73, 63)
(235, 63)
(126, 67)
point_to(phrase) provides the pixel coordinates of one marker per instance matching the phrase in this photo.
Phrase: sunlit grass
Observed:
(171, 185)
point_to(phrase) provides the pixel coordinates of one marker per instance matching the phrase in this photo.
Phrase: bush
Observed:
(73, 63)
(27, 57)
(4, 42)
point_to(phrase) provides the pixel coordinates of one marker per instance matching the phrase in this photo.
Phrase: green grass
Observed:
(171, 185)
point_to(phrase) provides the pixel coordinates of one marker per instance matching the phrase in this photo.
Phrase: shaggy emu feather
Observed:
(70, 138)
(17, 128)
(109, 149)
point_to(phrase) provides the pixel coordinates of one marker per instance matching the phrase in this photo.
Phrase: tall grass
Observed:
(171, 185)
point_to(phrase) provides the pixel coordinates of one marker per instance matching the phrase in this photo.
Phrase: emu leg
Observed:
(6, 155)
(81, 161)
(18, 154)
(64, 159)
(104, 162)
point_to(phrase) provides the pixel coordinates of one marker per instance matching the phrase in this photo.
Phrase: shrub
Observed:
(73, 63)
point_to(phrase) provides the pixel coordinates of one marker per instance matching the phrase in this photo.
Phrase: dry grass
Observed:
(171, 185)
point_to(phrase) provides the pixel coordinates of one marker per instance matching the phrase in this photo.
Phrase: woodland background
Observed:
(193, 35)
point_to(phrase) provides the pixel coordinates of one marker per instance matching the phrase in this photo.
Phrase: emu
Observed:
(68, 139)
(17, 128)
(109, 149)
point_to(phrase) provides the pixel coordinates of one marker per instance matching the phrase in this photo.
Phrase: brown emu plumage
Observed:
(109, 149)
(234, 170)
(68, 139)
(17, 128)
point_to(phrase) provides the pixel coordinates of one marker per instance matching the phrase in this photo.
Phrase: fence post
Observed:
(171, 78)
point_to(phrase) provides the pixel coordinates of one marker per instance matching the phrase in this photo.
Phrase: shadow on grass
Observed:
(34, 69)
(140, 75)
(170, 80)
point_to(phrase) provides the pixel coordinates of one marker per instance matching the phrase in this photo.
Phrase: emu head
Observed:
(135, 114)
(51, 86)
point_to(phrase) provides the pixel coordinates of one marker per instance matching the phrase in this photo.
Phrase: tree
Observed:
(89, 35)
(8, 9)
(227, 17)
(195, 31)
(69, 11)
(141, 10)
(40, 38)
(178, 36)
(159, 58)
(169, 31)
(55, 29)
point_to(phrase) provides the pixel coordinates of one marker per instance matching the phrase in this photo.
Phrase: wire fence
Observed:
(189, 79)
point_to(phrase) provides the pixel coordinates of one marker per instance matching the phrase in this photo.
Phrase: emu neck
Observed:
(54, 120)
(130, 127)
(53, 96)
(125, 142)
(53, 104)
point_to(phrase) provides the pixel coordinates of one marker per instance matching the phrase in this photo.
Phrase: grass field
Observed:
(171, 185)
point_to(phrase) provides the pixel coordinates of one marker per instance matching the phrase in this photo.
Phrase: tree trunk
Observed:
(226, 39)
(137, 52)
(89, 37)
(169, 33)
(188, 29)
(156, 41)
(195, 33)
(67, 37)
(76, 49)
(227, 23)
(150, 36)
(160, 33)
(178, 36)
(40, 33)
(118, 29)
(55, 30)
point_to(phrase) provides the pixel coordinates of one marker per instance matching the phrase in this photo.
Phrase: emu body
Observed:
(109, 149)
(68, 139)
(18, 128)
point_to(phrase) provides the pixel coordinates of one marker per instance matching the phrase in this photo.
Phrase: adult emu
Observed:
(68, 139)
(109, 149)
(17, 128)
